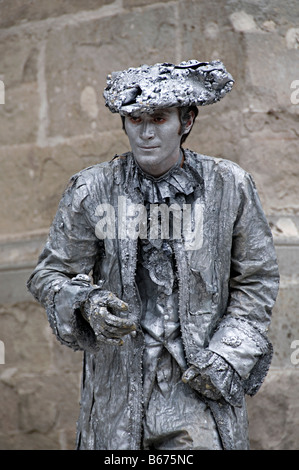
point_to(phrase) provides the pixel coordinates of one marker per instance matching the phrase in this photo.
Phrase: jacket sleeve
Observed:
(70, 250)
(241, 338)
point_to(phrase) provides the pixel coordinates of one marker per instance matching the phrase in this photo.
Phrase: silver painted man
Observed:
(160, 266)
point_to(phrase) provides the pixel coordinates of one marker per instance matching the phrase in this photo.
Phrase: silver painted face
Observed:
(155, 139)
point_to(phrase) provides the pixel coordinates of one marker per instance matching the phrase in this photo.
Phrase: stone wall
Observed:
(54, 58)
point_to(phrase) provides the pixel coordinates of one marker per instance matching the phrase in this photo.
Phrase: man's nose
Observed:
(147, 130)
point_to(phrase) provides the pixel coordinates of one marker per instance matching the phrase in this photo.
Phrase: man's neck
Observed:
(158, 171)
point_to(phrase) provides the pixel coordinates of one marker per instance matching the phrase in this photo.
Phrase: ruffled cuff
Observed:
(247, 350)
(216, 378)
(64, 307)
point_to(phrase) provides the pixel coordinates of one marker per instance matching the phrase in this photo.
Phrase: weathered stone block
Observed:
(263, 11)
(211, 134)
(18, 71)
(48, 402)
(25, 336)
(274, 412)
(32, 179)
(9, 404)
(79, 58)
(20, 102)
(141, 3)
(284, 329)
(268, 59)
(36, 413)
(265, 149)
(18, 12)
(206, 35)
(39, 408)
(30, 441)
(19, 50)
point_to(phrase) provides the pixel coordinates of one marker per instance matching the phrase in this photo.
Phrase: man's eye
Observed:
(135, 120)
(159, 119)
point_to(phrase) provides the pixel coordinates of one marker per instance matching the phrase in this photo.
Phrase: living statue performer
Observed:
(160, 266)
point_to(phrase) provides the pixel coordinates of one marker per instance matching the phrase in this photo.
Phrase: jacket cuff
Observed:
(64, 305)
(214, 369)
(247, 350)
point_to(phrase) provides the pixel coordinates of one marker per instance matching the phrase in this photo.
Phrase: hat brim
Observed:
(163, 85)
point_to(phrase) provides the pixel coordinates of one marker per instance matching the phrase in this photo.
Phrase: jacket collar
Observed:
(180, 179)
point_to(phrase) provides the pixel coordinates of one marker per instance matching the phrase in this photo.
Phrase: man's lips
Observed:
(143, 147)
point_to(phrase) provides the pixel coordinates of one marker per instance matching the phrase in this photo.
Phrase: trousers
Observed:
(176, 417)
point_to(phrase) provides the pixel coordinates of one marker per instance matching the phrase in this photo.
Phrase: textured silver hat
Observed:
(164, 85)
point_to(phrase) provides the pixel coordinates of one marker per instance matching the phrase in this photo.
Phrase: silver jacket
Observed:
(228, 284)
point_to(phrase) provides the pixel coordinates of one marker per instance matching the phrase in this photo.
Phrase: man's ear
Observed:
(189, 123)
(123, 123)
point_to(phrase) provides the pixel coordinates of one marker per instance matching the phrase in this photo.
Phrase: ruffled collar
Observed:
(180, 179)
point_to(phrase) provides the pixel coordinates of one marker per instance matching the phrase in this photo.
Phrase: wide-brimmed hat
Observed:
(163, 85)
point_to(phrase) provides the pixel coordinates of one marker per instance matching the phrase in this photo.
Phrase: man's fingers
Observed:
(190, 374)
(112, 341)
(115, 303)
(108, 299)
(109, 325)
(118, 322)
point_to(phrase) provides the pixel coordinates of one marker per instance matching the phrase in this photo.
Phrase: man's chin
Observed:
(148, 157)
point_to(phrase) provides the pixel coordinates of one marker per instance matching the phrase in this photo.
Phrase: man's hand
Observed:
(214, 378)
(102, 311)
(201, 382)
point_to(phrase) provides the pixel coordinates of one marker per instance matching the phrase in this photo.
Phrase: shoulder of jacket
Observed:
(219, 165)
(91, 172)
(98, 173)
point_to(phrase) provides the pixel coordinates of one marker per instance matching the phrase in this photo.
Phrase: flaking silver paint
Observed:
(163, 85)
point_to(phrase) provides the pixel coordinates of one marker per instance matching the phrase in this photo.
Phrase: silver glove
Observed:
(103, 312)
